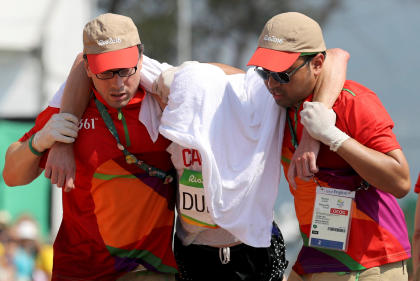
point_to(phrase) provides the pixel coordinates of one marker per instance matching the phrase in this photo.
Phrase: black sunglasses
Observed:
(281, 77)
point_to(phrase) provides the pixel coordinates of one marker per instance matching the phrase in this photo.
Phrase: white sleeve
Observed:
(150, 71)
(56, 100)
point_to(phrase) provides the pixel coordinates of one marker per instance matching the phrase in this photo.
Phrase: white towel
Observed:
(56, 99)
(236, 126)
(150, 111)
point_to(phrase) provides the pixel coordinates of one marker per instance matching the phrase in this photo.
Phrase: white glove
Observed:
(61, 127)
(319, 121)
(162, 84)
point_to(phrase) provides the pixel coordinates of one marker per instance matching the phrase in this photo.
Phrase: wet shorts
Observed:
(240, 262)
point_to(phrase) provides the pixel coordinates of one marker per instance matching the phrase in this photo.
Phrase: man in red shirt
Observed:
(105, 234)
(351, 225)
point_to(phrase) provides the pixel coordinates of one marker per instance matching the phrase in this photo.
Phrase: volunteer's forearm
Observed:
(228, 69)
(21, 166)
(77, 90)
(332, 77)
(388, 172)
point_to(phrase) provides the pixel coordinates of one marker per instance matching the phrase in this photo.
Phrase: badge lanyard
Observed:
(129, 157)
(331, 219)
(293, 131)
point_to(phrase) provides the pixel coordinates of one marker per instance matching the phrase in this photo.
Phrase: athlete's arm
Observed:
(327, 89)
(76, 93)
(60, 166)
(227, 69)
(332, 78)
(163, 82)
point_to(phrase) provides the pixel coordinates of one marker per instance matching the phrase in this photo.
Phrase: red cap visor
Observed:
(276, 61)
(124, 58)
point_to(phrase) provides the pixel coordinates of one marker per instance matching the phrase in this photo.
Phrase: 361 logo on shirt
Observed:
(87, 123)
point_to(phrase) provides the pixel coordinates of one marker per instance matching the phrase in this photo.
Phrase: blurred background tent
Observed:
(40, 39)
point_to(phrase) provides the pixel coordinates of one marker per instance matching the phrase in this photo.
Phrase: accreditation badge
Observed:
(192, 205)
(331, 218)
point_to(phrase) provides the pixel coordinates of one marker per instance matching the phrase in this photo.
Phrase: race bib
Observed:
(331, 218)
(192, 205)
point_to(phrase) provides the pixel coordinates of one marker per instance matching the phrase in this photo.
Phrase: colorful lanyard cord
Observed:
(129, 157)
(293, 131)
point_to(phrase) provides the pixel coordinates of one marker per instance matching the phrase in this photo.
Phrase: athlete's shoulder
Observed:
(353, 89)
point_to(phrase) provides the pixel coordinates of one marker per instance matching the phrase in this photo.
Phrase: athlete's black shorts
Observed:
(202, 263)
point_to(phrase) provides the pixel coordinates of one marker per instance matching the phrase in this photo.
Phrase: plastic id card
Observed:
(331, 218)
(192, 202)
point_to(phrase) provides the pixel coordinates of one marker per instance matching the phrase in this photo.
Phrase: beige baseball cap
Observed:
(110, 42)
(284, 38)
